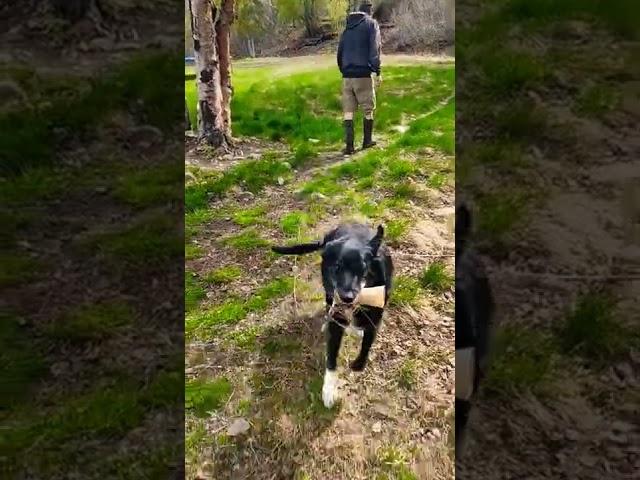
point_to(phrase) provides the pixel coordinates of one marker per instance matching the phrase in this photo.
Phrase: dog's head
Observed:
(347, 263)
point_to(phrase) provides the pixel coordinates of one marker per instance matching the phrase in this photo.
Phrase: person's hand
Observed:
(378, 80)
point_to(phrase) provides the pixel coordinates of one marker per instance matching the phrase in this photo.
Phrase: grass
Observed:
(436, 278)
(103, 412)
(145, 243)
(21, 364)
(192, 251)
(404, 191)
(395, 230)
(302, 154)
(294, 223)
(406, 292)
(521, 121)
(202, 396)
(592, 331)
(203, 323)
(596, 100)
(17, 268)
(523, 360)
(194, 293)
(394, 463)
(408, 374)
(500, 213)
(249, 239)
(249, 216)
(245, 338)
(305, 105)
(92, 322)
(223, 275)
(252, 175)
(80, 107)
(151, 186)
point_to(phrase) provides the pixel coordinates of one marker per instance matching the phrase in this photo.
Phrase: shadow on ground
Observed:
(286, 410)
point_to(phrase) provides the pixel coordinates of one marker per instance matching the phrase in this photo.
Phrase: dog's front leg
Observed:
(367, 340)
(330, 385)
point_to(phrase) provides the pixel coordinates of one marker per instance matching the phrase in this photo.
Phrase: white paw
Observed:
(330, 388)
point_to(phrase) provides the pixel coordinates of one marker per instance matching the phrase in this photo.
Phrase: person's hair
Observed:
(366, 8)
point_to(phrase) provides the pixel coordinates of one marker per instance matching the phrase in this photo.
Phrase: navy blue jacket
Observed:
(359, 48)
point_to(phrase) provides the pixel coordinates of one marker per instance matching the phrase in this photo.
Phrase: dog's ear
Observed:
(376, 241)
(463, 223)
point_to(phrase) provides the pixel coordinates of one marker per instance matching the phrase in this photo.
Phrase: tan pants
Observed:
(358, 92)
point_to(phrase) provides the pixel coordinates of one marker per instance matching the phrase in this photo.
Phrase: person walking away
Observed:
(358, 60)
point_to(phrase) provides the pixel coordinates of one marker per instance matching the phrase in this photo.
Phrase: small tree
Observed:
(211, 27)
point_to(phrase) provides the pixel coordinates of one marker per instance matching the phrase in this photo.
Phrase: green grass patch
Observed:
(249, 239)
(436, 131)
(591, 330)
(306, 105)
(151, 186)
(104, 413)
(249, 216)
(208, 322)
(501, 213)
(149, 242)
(303, 153)
(521, 121)
(193, 221)
(252, 175)
(78, 107)
(437, 180)
(408, 374)
(222, 275)
(192, 251)
(17, 268)
(362, 167)
(436, 278)
(322, 184)
(193, 291)
(596, 100)
(507, 72)
(395, 230)
(21, 365)
(295, 223)
(399, 168)
(204, 396)
(523, 360)
(406, 291)
(394, 464)
(404, 191)
(33, 185)
(246, 338)
(92, 322)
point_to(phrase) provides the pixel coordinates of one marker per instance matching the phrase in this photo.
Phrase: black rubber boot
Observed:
(368, 131)
(348, 138)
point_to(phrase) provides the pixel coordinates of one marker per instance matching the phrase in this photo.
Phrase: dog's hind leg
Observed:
(330, 386)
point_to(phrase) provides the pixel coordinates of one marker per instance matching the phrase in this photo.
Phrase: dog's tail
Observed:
(299, 249)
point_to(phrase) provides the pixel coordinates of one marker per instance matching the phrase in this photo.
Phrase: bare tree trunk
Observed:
(251, 47)
(223, 38)
(211, 128)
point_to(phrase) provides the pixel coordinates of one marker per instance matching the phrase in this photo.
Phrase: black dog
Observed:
(474, 310)
(353, 257)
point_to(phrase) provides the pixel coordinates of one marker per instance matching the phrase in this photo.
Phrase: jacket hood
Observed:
(356, 18)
